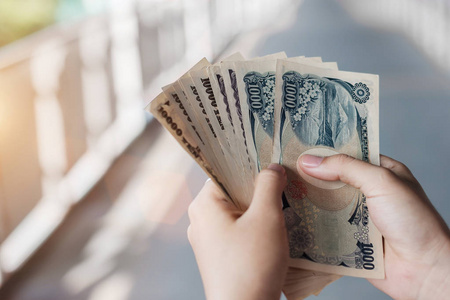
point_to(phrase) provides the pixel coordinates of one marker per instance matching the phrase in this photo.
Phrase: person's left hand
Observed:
(241, 255)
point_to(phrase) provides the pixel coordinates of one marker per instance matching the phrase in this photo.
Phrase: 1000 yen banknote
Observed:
(256, 85)
(324, 112)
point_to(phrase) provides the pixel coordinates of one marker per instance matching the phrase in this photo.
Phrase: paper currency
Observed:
(256, 86)
(236, 116)
(324, 112)
(165, 112)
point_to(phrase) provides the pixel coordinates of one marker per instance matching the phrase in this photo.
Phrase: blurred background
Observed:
(94, 194)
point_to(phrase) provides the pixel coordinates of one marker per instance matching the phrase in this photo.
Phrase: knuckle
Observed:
(386, 175)
(345, 165)
(403, 168)
(387, 181)
(396, 166)
(345, 159)
(268, 175)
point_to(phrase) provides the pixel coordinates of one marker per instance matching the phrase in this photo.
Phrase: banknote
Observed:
(324, 112)
(236, 116)
(223, 100)
(173, 92)
(212, 132)
(205, 92)
(164, 110)
(231, 88)
(202, 127)
(256, 86)
(223, 106)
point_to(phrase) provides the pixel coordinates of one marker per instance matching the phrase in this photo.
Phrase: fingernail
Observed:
(311, 161)
(207, 180)
(277, 168)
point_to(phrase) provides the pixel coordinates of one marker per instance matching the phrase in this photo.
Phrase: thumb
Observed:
(392, 203)
(270, 183)
(370, 179)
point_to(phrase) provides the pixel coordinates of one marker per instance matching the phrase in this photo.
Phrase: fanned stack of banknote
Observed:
(237, 116)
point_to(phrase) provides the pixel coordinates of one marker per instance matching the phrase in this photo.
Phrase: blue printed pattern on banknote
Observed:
(260, 89)
(325, 112)
(322, 110)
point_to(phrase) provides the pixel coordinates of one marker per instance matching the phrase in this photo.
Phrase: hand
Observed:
(417, 240)
(241, 255)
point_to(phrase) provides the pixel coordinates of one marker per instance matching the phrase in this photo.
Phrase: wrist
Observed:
(436, 284)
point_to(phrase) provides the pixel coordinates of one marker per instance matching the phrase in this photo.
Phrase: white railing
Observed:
(71, 100)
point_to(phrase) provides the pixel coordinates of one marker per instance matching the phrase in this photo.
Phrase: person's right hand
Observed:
(417, 240)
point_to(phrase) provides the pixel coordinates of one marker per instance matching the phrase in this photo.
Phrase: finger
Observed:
(397, 167)
(268, 188)
(211, 189)
(371, 179)
(394, 206)
(215, 196)
(404, 173)
(210, 203)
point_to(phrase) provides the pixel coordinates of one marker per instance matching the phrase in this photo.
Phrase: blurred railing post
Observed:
(72, 99)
